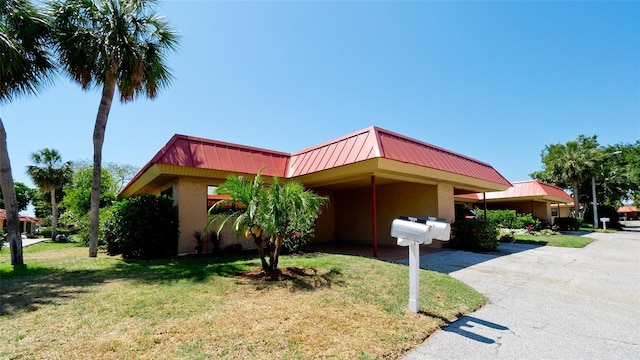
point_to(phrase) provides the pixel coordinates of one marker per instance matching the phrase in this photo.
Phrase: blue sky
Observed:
(496, 81)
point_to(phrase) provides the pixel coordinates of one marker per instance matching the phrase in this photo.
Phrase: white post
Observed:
(414, 277)
(595, 203)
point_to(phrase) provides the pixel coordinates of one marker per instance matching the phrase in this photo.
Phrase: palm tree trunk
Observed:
(258, 241)
(108, 90)
(10, 201)
(272, 252)
(276, 252)
(576, 204)
(54, 214)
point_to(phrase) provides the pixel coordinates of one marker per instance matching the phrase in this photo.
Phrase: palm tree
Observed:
(570, 164)
(114, 44)
(246, 199)
(289, 212)
(50, 173)
(24, 67)
(284, 212)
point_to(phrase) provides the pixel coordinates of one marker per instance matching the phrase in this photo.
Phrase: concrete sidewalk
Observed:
(545, 302)
(26, 242)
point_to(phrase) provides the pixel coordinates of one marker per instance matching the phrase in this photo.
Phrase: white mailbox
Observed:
(408, 231)
(421, 231)
(412, 232)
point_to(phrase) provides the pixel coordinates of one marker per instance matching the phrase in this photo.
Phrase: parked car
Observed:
(464, 213)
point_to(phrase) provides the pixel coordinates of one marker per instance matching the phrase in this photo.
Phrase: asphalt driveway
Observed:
(545, 302)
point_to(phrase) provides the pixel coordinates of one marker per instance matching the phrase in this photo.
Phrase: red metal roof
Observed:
(401, 148)
(183, 150)
(627, 209)
(523, 189)
(358, 146)
(372, 142)
(3, 216)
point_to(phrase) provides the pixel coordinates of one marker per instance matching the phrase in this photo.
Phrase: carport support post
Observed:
(414, 277)
(374, 214)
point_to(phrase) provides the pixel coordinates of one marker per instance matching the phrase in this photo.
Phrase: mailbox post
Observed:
(412, 232)
(604, 222)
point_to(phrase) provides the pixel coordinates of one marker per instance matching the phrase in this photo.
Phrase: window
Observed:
(167, 192)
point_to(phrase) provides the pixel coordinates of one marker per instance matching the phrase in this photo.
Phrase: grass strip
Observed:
(63, 304)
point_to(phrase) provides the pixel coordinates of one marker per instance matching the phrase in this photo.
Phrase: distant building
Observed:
(628, 213)
(542, 201)
(27, 223)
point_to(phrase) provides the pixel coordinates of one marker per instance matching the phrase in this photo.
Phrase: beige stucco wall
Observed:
(326, 222)
(190, 195)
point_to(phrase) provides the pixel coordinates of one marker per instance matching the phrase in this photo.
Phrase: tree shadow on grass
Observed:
(28, 288)
(293, 277)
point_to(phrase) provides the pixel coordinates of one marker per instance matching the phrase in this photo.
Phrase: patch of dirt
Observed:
(281, 274)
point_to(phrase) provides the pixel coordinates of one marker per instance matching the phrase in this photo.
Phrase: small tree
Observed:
(286, 213)
(50, 173)
(289, 213)
(246, 199)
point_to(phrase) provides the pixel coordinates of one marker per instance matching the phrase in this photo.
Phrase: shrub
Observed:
(215, 239)
(144, 227)
(567, 223)
(506, 235)
(474, 235)
(509, 219)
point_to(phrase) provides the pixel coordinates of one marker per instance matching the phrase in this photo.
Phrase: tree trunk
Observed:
(10, 201)
(576, 204)
(272, 252)
(54, 214)
(276, 253)
(258, 241)
(98, 140)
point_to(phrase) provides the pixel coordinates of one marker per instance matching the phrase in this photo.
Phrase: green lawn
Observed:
(63, 304)
(554, 240)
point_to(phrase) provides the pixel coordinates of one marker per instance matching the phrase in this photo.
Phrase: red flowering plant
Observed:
(474, 235)
(296, 240)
